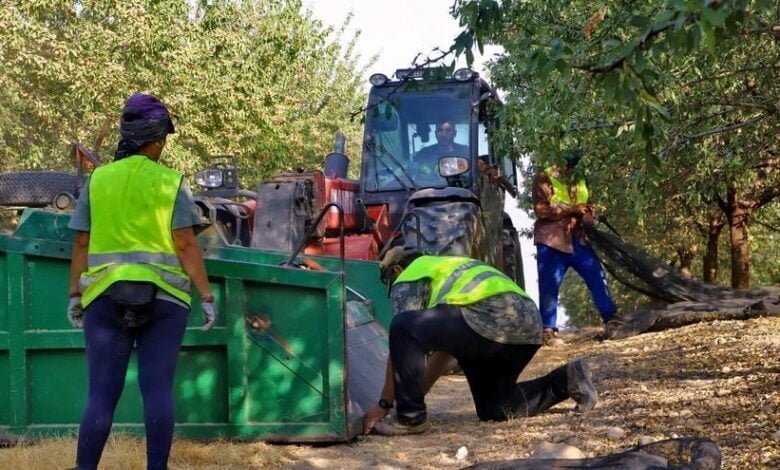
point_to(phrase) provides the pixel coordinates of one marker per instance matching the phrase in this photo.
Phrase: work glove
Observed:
(75, 312)
(209, 312)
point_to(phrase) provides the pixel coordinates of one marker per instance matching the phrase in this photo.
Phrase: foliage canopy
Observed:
(675, 102)
(263, 80)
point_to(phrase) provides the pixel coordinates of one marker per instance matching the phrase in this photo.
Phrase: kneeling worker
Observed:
(473, 312)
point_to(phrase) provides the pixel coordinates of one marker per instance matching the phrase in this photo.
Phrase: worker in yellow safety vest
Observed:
(562, 206)
(134, 259)
(471, 311)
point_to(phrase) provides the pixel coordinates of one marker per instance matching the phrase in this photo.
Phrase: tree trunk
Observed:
(710, 265)
(738, 216)
(686, 261)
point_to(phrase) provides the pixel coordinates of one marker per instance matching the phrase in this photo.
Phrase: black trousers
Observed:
(491, 367)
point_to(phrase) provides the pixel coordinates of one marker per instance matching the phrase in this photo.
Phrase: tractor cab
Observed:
(429, 130)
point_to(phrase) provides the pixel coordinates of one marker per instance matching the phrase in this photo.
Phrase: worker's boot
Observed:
(612, 327)
(580, 385)
(393, 427)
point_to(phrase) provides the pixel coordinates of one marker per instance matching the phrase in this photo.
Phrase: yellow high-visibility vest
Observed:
(456, 280)
(131, 210)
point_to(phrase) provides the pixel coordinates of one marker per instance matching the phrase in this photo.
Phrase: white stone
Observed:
(462, 453)
(556, 343)
(615, 433)
(686, 413)
(726, 369)
(549, 450)
(644, 440)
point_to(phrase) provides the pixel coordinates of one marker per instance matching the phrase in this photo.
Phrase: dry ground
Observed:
(719, 380)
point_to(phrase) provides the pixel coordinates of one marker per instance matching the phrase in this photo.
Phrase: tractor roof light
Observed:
(463, 74)
(377, 79)
(209, 179)
(453, 166)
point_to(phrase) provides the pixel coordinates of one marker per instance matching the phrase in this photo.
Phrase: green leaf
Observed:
(716, 18)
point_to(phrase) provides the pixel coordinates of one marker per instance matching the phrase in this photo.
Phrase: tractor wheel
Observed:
(513, 256)
(35, 188)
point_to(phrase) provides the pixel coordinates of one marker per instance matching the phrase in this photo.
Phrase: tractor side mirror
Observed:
(455, 171)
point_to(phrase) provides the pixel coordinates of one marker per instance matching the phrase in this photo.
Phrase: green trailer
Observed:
(296, 355)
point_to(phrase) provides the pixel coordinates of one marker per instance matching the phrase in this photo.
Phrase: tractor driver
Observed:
(428, 157)
(473, 312)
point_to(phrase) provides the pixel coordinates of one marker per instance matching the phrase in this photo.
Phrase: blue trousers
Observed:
(108, 348)
(552, 265)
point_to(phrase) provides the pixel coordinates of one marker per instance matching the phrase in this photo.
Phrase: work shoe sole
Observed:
(394, 428)
(580, 385)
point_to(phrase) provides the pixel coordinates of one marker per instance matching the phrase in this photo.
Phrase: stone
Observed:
(644, 440)
(549, 450)
(722, 392)
(776, 435)
(462, 453)
(556, 343)
(643, 388)
(686, 413)
(726, 369)
(615, 433)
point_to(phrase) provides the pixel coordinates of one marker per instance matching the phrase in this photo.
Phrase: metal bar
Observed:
(313, 227)
(336, 376)
(235, 339)
(397, 229)
(17, 360)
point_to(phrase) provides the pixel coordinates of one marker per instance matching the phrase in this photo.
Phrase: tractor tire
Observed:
(35, 188)
(513, 256)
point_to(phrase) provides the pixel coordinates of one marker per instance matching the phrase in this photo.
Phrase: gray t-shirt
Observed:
(507, 318)
(185, 214)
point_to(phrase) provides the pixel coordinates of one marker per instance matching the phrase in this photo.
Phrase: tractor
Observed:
(454, 208)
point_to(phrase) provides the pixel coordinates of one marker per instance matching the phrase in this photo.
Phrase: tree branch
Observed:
(767, 195)
(642, 42)
(730, 73)
(719, 130)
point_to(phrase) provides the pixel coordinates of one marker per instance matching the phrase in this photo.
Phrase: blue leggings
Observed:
(108, 347)
(552, 265)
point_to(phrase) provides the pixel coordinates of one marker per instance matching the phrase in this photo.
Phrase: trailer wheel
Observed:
(513, 256)
(35, 188)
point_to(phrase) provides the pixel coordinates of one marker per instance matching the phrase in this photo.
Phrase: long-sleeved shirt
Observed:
(555, 223)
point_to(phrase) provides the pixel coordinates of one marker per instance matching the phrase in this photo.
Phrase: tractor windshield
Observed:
(409, 129)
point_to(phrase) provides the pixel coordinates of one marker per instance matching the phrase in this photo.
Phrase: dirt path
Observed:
(718, 380)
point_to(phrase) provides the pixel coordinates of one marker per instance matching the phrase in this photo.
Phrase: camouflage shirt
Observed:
(506, 318)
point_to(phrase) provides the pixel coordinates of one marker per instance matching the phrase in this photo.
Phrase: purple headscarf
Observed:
(144, 119)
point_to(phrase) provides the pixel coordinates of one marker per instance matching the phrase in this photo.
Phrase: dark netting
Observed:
(689, 300)
(10, 440)
(679, 454)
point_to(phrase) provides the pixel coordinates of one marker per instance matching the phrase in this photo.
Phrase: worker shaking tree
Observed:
(471, 311)
(562, 206)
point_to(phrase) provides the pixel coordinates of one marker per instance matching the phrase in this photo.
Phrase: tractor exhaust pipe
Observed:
(336, 163)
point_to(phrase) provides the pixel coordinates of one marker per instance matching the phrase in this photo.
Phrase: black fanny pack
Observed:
(135, 298)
